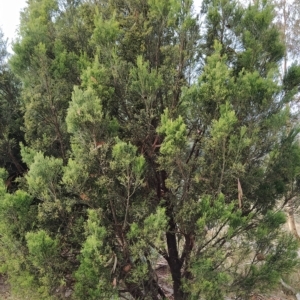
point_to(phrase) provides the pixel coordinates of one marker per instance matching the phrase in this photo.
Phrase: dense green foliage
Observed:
(10, 115)
(147, 137)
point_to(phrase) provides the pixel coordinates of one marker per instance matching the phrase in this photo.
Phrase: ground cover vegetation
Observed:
(139, 131)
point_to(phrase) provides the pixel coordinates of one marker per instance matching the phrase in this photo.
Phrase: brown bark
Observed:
(174, 261)
(16, 163)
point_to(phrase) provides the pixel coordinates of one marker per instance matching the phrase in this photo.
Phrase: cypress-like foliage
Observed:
(152, 134)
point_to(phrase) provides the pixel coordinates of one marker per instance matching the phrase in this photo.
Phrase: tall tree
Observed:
(169, 185)
(288, 21)
(47, 60)
(178, 153)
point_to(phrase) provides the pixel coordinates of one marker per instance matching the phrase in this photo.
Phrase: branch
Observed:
(188, 247)
(289, 288)
(163, 253)
(153, 281)
(192, 151)
(200, 133)
(216, 234)
(223, 167)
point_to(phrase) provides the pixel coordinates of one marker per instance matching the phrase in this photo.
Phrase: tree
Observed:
(169, 184)
(288, 21)
(178, 152)
(47, 67)
(287, 18)
(47, 60)
(10, 116)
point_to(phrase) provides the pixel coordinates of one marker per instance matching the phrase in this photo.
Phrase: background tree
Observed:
(288, 21)
(47, 68)
(287, 18)
(10, 116)
(47, 60)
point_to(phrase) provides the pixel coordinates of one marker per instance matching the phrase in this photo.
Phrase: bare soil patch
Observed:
(4, 288)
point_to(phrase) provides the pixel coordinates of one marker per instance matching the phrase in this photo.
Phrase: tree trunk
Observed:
(15, 161)
(291, 221)
(173, 260)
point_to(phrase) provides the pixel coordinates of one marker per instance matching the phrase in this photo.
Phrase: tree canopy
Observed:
(156, 151)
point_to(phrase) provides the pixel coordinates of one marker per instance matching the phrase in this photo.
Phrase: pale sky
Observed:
(9, 16)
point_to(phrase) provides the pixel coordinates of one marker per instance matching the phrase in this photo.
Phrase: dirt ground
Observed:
(4, 289)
